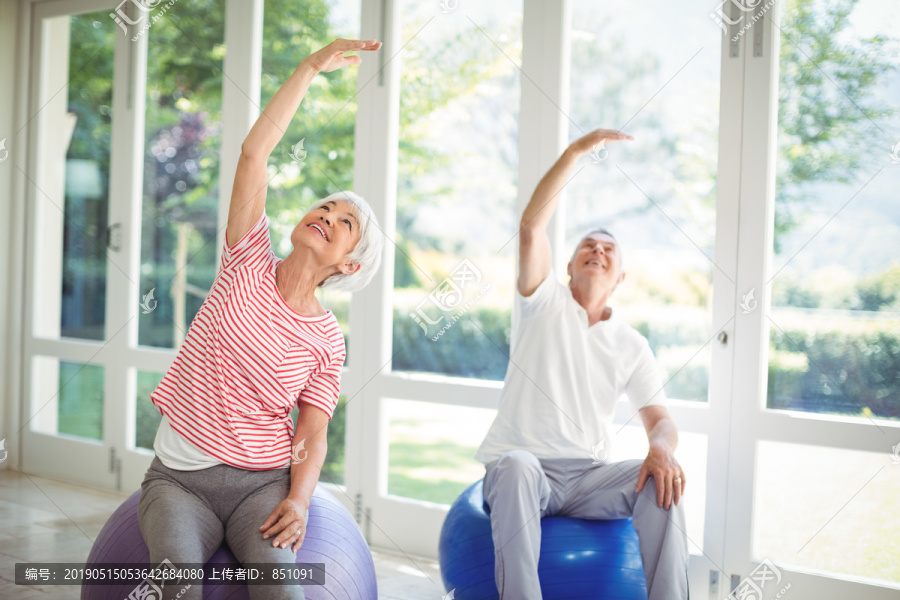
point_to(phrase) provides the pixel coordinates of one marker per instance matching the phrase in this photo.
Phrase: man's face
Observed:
(598, 258)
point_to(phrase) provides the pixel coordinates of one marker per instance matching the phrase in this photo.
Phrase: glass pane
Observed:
(432, 446)
(67, 398)
(183, 125)
(657, 194)
(146, 416)
(457, 171)
(321, 135)
(827, 509)
(631, 442)
(81, 121)
(333, 468)
(835, 288)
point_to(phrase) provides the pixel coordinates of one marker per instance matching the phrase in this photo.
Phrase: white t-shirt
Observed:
(178, 453)
(564, 379)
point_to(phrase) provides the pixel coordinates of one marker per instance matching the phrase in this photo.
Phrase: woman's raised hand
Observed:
(331, 57)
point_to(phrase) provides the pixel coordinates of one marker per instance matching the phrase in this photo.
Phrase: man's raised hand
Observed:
(331, 57)
(587, 143)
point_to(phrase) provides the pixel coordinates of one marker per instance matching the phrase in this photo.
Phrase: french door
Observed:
(430, 382)
(76, 326)
(815, 408)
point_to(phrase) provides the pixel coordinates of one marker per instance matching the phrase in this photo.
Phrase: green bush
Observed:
(476, 346)
(840, 367)
(851, 368)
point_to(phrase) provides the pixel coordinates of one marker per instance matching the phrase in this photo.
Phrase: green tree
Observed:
(880, 291)
(826, 109)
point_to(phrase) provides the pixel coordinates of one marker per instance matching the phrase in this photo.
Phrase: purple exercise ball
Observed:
(332, 538)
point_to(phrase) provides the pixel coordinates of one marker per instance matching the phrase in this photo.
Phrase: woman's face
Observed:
(330, 232)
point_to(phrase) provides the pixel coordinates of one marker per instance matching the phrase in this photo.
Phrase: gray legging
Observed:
(184, 516)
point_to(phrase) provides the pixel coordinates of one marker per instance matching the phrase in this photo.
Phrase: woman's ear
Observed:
(349, 267)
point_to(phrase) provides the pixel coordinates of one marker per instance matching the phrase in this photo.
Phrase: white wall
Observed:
(10, 213)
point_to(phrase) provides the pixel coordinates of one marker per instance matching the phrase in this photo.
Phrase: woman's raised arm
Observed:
(248, 196)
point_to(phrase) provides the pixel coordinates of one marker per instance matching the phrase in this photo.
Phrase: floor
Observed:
(42, 520)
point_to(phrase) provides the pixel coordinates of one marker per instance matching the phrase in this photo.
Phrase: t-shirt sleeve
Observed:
(253, 250)
(645, 387)
(324, 388)
(546, 295)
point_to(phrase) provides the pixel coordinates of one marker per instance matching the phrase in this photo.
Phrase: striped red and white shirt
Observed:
(247, 359)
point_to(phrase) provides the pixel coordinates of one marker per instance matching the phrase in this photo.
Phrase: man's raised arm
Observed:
(535, 256)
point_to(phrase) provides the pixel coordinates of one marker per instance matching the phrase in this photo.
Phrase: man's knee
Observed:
(650, 494)
(515, 471)
(517, 464)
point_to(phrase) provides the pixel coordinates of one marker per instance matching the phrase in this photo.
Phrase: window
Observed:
(657, 193)
(456, 190)
(835, 317)
(183, 136)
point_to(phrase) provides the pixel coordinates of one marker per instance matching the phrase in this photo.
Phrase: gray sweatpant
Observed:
(185, 516)
(520, 489)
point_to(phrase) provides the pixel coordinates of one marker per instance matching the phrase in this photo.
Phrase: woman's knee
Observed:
(255, 549)
(276, 592)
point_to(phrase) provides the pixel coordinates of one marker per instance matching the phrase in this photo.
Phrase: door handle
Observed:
(113, 237)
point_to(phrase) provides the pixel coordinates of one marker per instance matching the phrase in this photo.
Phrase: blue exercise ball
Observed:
(579, 558)
(332, 538)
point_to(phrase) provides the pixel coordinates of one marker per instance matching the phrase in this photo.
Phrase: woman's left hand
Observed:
(288, 523)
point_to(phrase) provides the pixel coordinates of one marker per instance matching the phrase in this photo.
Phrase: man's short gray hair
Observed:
(368, 250)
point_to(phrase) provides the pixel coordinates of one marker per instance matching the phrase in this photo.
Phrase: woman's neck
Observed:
(298, 287)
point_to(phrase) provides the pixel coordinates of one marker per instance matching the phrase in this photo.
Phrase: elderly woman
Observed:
(229, 464)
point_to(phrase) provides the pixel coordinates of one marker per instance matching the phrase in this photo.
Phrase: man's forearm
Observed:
(545, 198)
(276, 117)
(664, 435)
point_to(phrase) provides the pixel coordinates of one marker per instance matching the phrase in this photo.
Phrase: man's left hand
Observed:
(668, 474)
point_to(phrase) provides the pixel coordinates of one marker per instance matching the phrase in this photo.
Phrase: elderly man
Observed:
(573, 357)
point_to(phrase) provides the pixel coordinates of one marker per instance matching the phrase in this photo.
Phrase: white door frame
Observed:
(60, 455)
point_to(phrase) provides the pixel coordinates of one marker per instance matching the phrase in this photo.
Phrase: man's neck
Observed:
(593, 299)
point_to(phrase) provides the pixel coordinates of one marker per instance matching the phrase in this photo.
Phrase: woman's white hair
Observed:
(368, 250)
